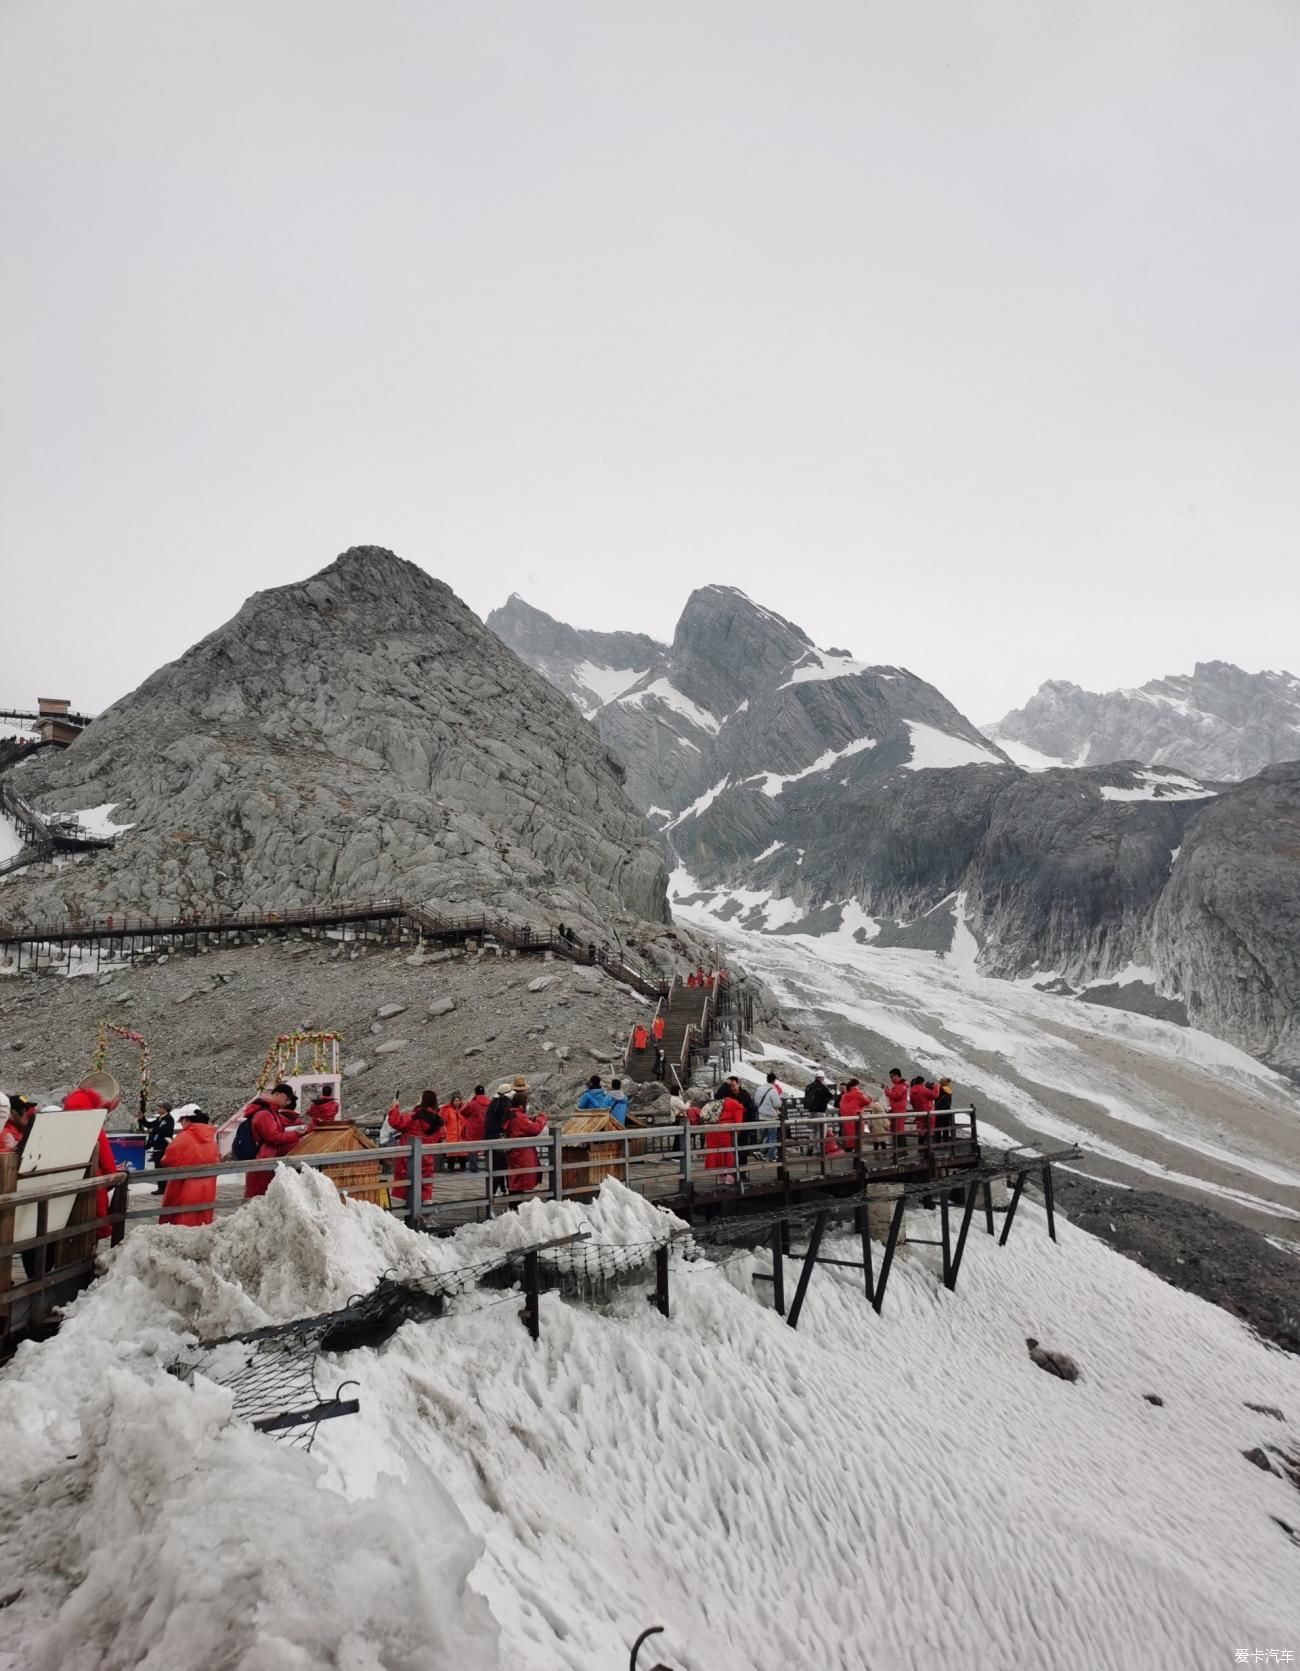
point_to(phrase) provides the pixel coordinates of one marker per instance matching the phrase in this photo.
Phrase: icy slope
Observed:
(1150, 1101)
(904, 1490)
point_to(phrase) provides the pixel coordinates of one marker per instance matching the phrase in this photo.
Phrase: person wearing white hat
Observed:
(194, 1145)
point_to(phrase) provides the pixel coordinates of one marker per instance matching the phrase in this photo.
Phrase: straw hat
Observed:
(519, 1086)
(105, 1087)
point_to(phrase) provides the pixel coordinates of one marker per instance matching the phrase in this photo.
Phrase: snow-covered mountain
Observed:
(1216, 722)
(592, 668)
(742, 698)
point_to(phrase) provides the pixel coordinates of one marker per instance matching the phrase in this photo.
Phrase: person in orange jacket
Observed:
(453, 1131)
(425, 1122)
(657, 1029)
(275, 1132)
(851, 1105)
(523, 1165)
(190, 1200)
(639, 1036)
(84, 1098)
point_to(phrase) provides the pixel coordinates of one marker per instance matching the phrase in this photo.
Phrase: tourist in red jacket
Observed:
(425, 1122)
(896, 1097)
(190, 1200)
(921, 1099)
(473, 1122)
(324, 1109)
(523, 1165)
(853, 1101)
(84, 1098)
(719, 1141)
(275, 1132)
(657, 1029)
(17, 1119)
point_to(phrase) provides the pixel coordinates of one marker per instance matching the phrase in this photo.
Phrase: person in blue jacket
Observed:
(617, 1102)
(594, 1096)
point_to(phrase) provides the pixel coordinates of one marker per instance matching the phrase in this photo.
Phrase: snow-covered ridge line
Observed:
(932, 748)
(774, 783)
(1157, 785)
(661, 690)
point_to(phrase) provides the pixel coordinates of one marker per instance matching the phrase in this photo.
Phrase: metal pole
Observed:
(895, 1225)
(415, 1193)
(530, 1315)
(778, 1270)
(945, 1233)
(661, 1279)
(863, 1222)
(805, 1275)
(1049, 1201)
(988, 1207)
(1011, 1210)
(950, 1281)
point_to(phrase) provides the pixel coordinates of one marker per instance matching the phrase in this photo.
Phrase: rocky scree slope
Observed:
(355, 735)
(1217, 722)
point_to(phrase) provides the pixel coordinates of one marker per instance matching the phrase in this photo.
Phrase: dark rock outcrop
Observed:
(1218, 722)
(1226, 934)
(356, 735)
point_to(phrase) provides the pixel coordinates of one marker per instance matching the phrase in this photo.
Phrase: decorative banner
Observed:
(283, 1059)
(110, 1030)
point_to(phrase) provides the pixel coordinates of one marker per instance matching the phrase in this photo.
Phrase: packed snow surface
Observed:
(773, 783)
(1159, 786)
(97, 820)
(606, 683)
(663, 691)
(931, 747)
(700, 804)
(1028, 759)
(821, 664)
(906, 1490)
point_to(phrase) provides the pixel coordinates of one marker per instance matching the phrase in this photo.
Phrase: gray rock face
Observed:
(1217, 722)
(591, 668)
(358, 735)
(1226, 935)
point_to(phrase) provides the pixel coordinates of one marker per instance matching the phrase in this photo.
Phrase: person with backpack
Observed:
(190, 1200)
(770, 1104)
(267, 1132)
(719, 1117)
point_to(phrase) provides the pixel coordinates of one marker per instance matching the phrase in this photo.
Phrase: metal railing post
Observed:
(415, 1198)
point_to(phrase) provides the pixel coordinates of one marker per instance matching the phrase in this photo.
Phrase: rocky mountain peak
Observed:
(355, 734)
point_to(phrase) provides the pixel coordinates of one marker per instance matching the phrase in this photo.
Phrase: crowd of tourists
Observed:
(846, 1118)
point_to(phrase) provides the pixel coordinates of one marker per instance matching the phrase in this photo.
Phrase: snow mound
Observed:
(901, 1490)
(931, 747)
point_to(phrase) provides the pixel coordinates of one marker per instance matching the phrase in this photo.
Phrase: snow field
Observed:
(903, 1490)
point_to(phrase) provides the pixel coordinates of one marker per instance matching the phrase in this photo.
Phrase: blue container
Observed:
(128, 1151)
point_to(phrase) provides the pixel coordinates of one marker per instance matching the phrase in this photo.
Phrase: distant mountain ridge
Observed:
(1217, 722)
(801, 790)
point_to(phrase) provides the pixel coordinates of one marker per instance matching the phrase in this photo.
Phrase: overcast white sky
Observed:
(966, 335)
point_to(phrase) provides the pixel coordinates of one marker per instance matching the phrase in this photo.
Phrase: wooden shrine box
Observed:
(361, 1179)
(586, 1165)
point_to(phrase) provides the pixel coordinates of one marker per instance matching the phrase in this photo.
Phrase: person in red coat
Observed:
(639, 1036)
(657, 1029)
(275, 1132)
(17, 1113)
(84, 1098)
(852, 1103)
(523, 1165)
(896, 1096)
(719, 1141)
(190, 1200)
(473, 1122)
(425, 1122)
(921, 1098)
(324, 1109)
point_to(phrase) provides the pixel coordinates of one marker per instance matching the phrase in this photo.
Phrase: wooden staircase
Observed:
(684, 1007)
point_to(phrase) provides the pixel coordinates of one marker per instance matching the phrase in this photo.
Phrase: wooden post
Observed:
(886, 1264)
(1011, 1210)
(988, 1207)
(8, 1186)
(805, 1275)
(778, 1270)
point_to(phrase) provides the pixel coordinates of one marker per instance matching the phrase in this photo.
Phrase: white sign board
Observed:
(61, 1141)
